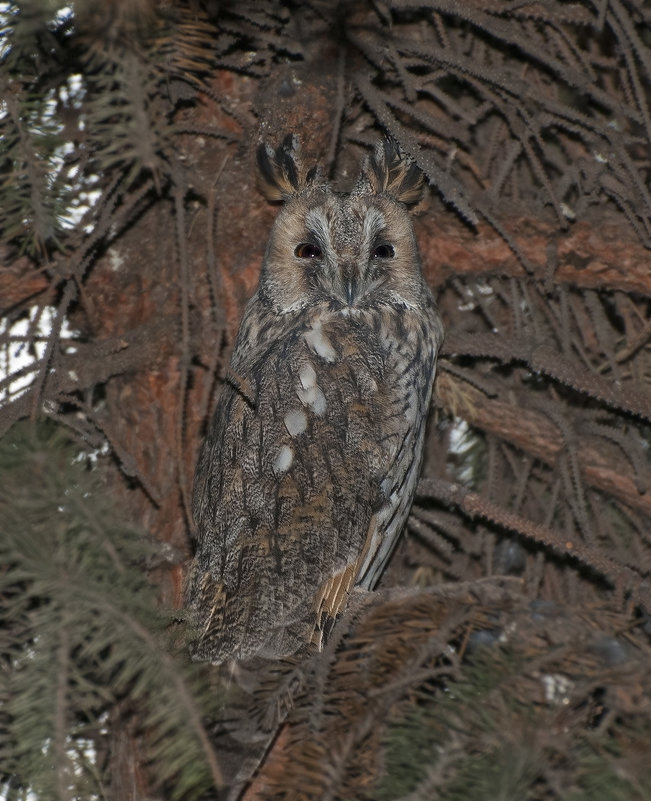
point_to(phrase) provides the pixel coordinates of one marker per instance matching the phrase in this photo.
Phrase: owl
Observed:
(310, 464)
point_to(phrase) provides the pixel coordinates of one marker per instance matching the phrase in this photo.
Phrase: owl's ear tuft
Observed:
(282, 173)
(392, 172)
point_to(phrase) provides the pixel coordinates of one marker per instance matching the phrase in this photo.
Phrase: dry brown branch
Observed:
(606, 255)
(542, 358)
(18, 286)
(535, 434)
(476, 506)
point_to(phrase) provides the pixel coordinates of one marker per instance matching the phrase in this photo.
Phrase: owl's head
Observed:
(347, 251)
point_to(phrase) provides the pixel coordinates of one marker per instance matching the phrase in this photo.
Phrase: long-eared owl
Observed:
(311, 461)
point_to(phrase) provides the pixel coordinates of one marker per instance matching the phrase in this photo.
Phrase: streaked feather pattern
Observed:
(311, 461)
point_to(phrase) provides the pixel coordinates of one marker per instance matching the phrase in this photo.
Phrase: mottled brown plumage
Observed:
(311, 461)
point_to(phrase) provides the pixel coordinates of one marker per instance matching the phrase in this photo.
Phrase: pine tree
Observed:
(506, 652)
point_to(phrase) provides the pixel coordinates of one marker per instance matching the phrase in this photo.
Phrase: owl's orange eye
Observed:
(307, 250)
(384, 252)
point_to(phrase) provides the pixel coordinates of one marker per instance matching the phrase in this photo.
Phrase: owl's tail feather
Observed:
(330, 601)
(332, 598)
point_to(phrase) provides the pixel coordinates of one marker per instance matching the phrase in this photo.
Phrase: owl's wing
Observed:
(297, 471)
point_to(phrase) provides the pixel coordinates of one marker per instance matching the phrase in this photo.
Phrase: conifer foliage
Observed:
(84, 641)
(505, 654)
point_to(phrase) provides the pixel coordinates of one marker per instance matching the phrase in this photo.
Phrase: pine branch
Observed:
(535, 434)
(83, 631)
(601, 256)
(542, 358)
(476, 506)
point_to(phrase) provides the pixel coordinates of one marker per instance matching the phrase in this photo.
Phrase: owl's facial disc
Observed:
(351, 249)
(346, 251)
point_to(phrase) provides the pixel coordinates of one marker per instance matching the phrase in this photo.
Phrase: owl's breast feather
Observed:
(307, 473)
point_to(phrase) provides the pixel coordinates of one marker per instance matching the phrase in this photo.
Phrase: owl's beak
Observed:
(351, 285)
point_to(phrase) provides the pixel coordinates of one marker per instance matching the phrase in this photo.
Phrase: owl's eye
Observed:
(307, 250)
(384, 252)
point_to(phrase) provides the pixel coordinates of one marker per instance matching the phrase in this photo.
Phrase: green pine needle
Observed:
(83, 637)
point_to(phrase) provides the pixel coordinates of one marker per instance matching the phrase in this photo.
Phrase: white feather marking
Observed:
(283, 460)
(319, 342)
(314, 398)
(373, 223)
(295, 422)
(307, 376)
